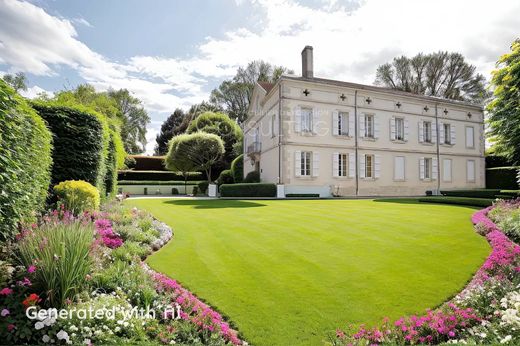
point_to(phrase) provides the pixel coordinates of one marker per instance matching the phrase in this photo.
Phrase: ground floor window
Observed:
(305, 166)
(470, 170)
(369, 166)
(342, 165)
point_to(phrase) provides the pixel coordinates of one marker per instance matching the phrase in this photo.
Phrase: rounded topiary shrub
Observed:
(226, 177)
(252, 177)
(77, 196)
(237, 168)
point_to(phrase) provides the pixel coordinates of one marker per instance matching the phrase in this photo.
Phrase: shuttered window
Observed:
(369, 126)
(427, 132)
(305, 164)
(470, 170)
(306, 120)
(399, 168)
(470, 137)
(342, 165)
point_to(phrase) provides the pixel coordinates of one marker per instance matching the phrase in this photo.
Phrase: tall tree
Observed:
(441, 74)
(196, 110)
(196, 151)
(17, 81)
(134, 120)
(235, 94)
(170, 128)
(504, 109)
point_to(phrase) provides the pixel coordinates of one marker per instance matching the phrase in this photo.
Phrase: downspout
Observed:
(356, 142)
(280, 180)
(438, 149)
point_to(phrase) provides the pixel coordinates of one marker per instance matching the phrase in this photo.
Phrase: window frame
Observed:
(343, 165)
(447, 133)
(428, 162)
(427, 132)
(474, 180)
(305, 163)
(306, 119)
(472, 137)
(369, 168)
(369, 130)
(343, 124)
(399, 129)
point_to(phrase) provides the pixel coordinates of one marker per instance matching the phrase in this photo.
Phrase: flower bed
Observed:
(487, 311)
(109, 278)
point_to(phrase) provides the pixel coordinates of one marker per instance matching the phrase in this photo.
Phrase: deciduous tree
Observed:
(170, 128)
(17, 81)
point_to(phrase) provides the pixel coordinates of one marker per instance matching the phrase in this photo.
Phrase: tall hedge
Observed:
(81, 143)
(25, 160)
(502, 178)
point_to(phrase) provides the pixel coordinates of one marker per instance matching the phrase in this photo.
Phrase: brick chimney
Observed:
(307, 62)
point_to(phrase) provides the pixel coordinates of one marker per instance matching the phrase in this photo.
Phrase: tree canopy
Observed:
(169, 129)
(234, 95)
(504, 109)
(221, 125)
(441, 74)
(196, 151)
(17, 81)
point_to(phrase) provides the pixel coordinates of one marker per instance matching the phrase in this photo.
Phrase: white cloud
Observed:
(35, 91)
(82, 21)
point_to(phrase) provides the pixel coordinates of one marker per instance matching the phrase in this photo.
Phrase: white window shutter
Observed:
(376, 127)
(297, 163)
(362, 166)
(421, 168)
(434, 169)
(441, 133)
(315, 163)
(421, 131)
(298, 119)
(392, 128)
(315, 120)
(351, 125)
(377, 166)
(406, 129)
(335, 120)
(361, 126)
(452, 133)
(351, 165)
(335, 165)
(434, 134)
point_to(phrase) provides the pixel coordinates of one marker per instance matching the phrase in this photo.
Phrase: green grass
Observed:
(290, 272)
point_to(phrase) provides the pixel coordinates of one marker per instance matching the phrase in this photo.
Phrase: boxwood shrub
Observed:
(225, 177)
(157, 175)
(237, 168)
(475, 202)
(25, 160)
(252, 177)
(502, 178)
(248, 190)
(81, 143)
(474, 193)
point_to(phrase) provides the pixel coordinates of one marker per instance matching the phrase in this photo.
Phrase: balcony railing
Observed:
(254, 148)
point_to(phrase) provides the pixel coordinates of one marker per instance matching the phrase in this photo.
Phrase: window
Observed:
(305, 169)
(427, 168)
(369, 126)
(470, 170)
(273, 125)
(343, 124)
(399, 129)
(399, 162)
(306, 120)
(446, 170)
(470, 137)
(369, 166)
(342, 165)
(427, 131)
(447, 133)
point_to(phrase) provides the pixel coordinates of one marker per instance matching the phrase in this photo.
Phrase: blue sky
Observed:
(173, 53)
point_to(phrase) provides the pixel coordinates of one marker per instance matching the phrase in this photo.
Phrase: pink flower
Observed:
(10, 327)
(4, 312)
(6, 291)
(31, 269)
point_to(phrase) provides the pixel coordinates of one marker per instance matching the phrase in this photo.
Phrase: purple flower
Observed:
(4, 312)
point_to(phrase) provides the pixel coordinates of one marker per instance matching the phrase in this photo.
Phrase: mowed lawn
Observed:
(290, 272)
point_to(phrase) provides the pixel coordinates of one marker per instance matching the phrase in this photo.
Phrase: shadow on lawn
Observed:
(216, 204)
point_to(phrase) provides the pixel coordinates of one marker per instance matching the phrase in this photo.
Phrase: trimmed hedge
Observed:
(148, 163)
(473, 193)
(225, 177)
(25, 160)
(77, 196)
(502, 178)
(81, 143)
(157, 175)
(252, 177)
(303, 195)
(248, 190)
(155, 182)
(475, 202)
(237, 168)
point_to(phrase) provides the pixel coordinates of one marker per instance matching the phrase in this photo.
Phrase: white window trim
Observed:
(404, 168)
(474, 180)
(451, 171)
(466, 136)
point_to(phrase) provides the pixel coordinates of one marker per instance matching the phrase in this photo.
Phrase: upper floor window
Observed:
(306, 120)
(399, 129)
(369, 126)
(342, 122)
(470, 137)
(427, 131)
(447, 133)
(273, 125)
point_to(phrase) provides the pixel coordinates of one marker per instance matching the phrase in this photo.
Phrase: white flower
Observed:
(506, 339)
(87, 342)
(73, 328)
(62, 335)
(38, 325)
(46, 338)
